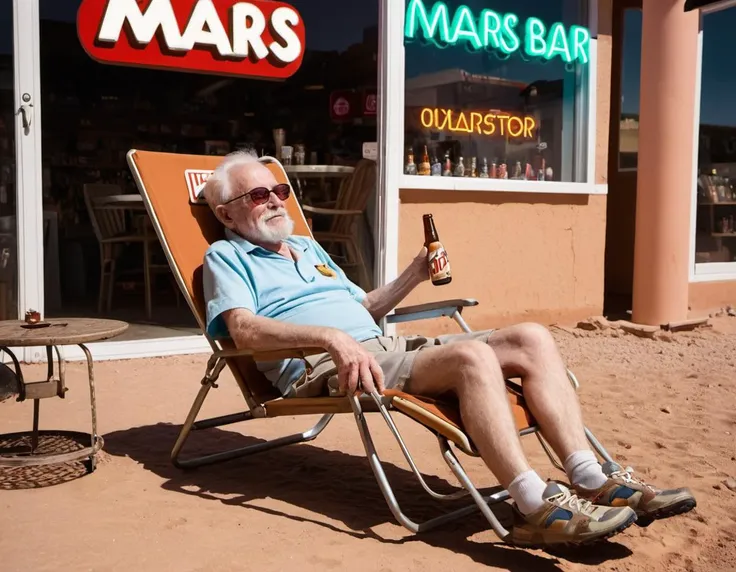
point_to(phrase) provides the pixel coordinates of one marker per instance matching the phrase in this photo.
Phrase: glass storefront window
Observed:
(493, 90)
(94, 113)
(715, 238)
(628, 151)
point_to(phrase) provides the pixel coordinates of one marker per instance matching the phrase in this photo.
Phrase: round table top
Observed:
(59, 332)
(319, 170)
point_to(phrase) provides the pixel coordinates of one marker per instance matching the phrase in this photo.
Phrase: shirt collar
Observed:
(249, 247)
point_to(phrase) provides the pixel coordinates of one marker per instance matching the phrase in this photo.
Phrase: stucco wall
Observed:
(706, 297)
(523, 256)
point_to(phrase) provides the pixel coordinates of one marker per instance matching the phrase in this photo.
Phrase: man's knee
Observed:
(531, 337)
(474, 361)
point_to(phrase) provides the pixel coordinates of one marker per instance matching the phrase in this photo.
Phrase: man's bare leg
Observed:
(472, 372)
(547, 513)
(528, 351)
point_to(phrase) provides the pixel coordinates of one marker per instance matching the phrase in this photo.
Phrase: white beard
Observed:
(272, 234)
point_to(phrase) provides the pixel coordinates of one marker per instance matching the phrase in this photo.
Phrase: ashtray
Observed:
(36, 325)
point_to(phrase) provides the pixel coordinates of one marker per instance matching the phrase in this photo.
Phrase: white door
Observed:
(21, 231)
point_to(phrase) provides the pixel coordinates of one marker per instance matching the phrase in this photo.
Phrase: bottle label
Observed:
(439, 264)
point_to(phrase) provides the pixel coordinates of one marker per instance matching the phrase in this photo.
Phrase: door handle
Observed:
(27, 112)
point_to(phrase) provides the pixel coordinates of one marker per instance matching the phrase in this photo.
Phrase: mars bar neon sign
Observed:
(495, 31)
(483, 123)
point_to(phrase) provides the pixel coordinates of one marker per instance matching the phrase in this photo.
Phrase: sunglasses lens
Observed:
(282, 191)
(259, 196)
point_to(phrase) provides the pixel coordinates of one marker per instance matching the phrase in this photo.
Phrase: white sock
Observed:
(583, 469)
(526, 490)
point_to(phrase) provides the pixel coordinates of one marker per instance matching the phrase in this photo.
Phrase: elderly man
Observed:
(267, 289)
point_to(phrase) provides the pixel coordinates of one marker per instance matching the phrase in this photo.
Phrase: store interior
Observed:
(92, 114)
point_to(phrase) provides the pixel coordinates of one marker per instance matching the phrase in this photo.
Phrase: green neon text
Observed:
(491, 30)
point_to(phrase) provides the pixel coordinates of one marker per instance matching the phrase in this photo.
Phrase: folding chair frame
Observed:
(361, 406)
(328, 407)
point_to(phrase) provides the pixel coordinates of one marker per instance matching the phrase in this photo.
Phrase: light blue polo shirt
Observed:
(239, 274)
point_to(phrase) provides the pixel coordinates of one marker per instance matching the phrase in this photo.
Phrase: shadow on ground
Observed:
(339, 486)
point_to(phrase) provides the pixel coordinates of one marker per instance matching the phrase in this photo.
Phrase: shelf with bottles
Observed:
(725, 226)
(476, 167)
(715, 189)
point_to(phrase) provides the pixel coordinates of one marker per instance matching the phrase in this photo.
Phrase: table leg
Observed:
(37, 402)
(93, 404)
(34, 435)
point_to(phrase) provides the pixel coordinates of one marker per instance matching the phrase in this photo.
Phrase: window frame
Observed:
(584, 138)
(619, 32)
(704, 271)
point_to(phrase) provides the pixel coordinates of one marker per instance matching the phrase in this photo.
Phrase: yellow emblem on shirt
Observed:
(326, 270)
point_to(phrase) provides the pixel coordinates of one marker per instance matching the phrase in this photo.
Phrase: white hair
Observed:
(218, 188)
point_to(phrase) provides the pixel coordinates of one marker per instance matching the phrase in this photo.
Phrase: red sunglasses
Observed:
(260, 195)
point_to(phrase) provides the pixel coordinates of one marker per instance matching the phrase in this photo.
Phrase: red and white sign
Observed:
(341, 107)
(195, 183)
(370, 103)
(258, 38)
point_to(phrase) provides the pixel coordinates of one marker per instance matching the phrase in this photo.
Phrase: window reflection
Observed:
(715, 239)
(504, 111)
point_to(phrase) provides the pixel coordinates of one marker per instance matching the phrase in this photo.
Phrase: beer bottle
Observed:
(424, 166)
(473, 167)
(437, 261)
(410, 168)
(447, 165)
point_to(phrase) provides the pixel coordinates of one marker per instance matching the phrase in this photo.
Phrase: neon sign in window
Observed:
(491, 123)
(495, 31)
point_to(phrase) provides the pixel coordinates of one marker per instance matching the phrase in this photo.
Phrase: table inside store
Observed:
(302, 175)
(37, 447)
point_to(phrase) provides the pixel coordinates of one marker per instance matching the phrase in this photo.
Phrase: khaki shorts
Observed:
(395, 355)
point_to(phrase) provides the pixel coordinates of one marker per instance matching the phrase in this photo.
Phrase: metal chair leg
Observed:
(482, 503)
(214, 367)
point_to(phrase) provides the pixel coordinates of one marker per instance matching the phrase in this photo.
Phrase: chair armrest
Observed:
(269, 355)
(430, 310)
(317, 210)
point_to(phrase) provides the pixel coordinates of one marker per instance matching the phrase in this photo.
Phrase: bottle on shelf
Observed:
(447, 165)
(474, 167)
(424, 166)
(460, 167)
(436, 168)
(517, 170)
(484, 168)
(410, 168)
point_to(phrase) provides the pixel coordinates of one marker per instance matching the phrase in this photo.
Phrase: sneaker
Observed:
(568, 519)
(623, 489)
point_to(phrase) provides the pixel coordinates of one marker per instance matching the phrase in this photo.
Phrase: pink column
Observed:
(665, 179)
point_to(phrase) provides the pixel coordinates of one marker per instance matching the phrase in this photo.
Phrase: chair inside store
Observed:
(345, 238)
(115, 228)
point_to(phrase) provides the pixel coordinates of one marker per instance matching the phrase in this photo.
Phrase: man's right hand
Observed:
(357, 368)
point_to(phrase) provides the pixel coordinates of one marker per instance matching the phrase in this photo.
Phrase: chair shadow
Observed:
(337, 485)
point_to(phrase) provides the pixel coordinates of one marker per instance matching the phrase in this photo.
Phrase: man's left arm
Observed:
(381, 301)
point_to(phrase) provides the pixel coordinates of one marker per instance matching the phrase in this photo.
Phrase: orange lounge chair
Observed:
(185, 225)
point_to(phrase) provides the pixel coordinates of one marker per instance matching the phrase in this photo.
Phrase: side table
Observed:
(52, 334)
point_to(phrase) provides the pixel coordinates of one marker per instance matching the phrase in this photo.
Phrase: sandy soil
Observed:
(668, 408)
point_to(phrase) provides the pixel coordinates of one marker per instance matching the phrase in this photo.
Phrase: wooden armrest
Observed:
(270, 355)
(317, 210)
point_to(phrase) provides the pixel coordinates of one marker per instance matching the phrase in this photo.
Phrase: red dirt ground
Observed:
(316, 506)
